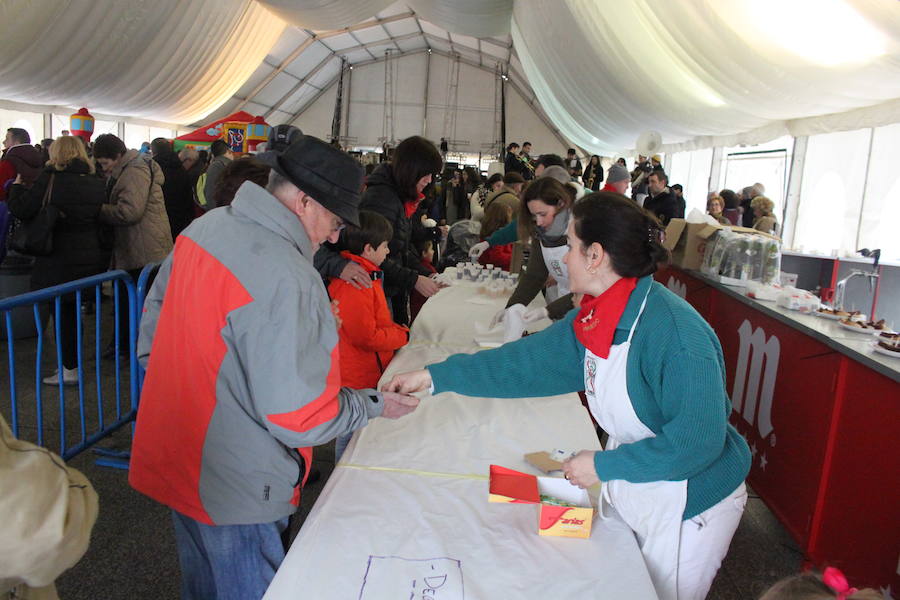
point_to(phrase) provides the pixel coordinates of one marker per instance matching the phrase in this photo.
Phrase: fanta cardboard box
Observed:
(565, 510)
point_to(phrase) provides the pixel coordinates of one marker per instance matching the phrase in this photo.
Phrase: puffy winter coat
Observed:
(178, 192)
(401, 268)
(368, 334)
(79, 195)
(24, 160)
(137, 210)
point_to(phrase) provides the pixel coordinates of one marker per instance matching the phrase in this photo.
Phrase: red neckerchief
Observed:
(598, 317)
(365, 263)
(411, 207)
(609, 188)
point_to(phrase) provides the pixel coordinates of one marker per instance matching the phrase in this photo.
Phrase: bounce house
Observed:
(241, 131)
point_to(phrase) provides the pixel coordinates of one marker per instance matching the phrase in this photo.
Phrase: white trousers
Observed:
(702, 546)
(704, 543)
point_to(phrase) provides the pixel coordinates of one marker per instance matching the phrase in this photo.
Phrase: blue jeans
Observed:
(227, 562)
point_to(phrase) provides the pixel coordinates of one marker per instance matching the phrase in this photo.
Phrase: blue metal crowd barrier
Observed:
(98, 417)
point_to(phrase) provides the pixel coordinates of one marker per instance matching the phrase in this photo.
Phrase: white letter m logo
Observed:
(754, 344)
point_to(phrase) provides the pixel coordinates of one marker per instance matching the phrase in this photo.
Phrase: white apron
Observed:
(553, 258)
(653, 510)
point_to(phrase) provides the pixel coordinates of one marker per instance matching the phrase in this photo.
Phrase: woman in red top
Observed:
(496, 216)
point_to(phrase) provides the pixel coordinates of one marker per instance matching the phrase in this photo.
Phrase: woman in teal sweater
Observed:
(654, 376)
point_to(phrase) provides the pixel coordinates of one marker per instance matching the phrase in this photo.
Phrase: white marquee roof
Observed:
(701, 72)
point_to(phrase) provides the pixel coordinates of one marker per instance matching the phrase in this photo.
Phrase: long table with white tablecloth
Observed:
(407, 506)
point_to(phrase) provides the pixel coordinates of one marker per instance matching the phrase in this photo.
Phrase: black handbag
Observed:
(35, 237)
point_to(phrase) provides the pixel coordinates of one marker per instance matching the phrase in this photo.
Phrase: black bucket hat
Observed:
(331, 177)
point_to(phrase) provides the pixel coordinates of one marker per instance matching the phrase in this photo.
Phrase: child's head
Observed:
(425, 249)
(496, 215)
(808, 586)
(370, 239)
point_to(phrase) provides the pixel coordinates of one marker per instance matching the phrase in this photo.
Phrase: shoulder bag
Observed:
(35, 237)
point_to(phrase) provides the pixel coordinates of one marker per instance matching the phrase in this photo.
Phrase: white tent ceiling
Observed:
(700, 72)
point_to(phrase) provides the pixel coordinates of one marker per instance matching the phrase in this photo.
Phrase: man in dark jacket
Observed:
(222, 155)
(661, 201)
(19, 158)
(178, 193)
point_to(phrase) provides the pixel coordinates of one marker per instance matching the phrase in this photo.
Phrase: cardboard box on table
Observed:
(687, 241)
(514, 487)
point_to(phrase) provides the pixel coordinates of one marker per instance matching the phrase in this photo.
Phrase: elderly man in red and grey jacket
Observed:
(243, 374)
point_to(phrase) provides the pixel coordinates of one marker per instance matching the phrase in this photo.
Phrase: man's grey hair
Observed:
(277, 182)
(758, 189)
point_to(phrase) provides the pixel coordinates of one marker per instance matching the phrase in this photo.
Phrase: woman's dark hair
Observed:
(548, 160)
(373, 230)
(549, 191)
(109, 146)
(473, 175)
(414, 158)
(628, 233)
(511, 146)
(235, 174)
(493, 179)
(161, 146)
(593, 156)
(730, 199)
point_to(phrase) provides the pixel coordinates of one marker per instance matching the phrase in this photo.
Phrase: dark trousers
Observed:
(67, 338)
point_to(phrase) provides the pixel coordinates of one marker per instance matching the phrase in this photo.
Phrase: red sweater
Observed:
(368, 335)
(499, 256)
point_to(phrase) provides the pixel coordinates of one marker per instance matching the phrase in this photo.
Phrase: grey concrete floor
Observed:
(132, 552)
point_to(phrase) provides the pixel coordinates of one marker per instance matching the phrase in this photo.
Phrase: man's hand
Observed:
(580, 471)
(336, 311)
(426, 286)
(356, 276)
(398, 405)
(408, 383)
(478, 249)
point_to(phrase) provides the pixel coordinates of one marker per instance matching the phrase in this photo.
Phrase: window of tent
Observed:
(101, 127)
(59, 123)
(31, 122)
(691, 169)
(831, 192)
(768, 164)
(136, 135)
(880, 211)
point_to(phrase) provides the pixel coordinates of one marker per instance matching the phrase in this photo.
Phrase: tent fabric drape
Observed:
(701, 72)
(694, 69)
(167, 60)
(325, 14)
(476, 18)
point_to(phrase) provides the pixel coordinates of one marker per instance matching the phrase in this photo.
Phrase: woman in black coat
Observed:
(77, 248)
(394, 190)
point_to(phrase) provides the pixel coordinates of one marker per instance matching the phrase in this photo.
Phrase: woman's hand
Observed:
(579, 469)
(408, 383)
(427, 286)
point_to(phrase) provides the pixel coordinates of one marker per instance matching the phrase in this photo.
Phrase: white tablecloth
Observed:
(407, 506)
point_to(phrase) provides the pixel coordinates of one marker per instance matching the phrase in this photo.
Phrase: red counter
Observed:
(822, 427)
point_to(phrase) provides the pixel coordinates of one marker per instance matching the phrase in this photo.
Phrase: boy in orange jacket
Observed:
(367, 333)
